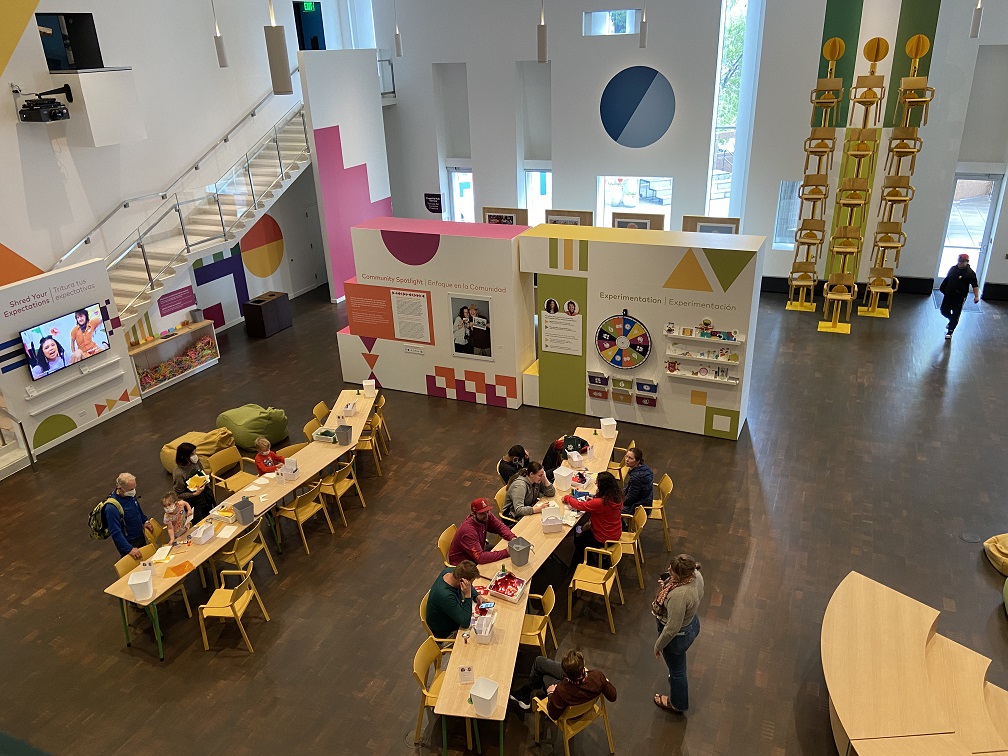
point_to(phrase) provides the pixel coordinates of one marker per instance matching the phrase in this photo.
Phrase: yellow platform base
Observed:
(878, 312)
(802, 306)
(828, 327)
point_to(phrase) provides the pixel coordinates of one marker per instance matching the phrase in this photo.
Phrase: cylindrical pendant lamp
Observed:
(276, 53)
(542, 54)
(977, 18)
(398, 37)
(643, 28)
(222, 60)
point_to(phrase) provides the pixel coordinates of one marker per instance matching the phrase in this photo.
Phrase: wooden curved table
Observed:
(897, 687)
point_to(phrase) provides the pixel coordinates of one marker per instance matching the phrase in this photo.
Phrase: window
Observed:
(538, 195)
(788, 211)
(69, 41)
(729, 86)
(608, 22)
(462, 205)
(651, 194)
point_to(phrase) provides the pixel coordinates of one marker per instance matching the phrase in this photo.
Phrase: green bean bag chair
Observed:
(996, 549)
(251, 421)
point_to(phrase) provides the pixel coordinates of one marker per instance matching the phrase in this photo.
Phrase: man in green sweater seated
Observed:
(450, 603)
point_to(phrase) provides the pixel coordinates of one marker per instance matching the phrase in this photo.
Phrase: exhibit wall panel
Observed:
(404, 326)
(68, 401)
(609, 355)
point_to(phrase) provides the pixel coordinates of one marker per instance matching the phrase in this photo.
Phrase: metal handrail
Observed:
(164, 194)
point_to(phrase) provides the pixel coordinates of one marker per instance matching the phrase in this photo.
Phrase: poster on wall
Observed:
(715, 228)
(570, 217)
(505, 216)
(646, 221)
(385, 313)
(561, 327)
(433, 203)
(471, 326)
(710, 224)
(409, 315)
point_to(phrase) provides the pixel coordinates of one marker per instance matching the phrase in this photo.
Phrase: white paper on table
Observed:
(261, 481)
(161, 555)
(264, 497)
(271, 475)
(251, 487)
(228, 532)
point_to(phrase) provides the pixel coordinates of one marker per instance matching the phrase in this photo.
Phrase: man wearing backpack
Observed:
(125, 519)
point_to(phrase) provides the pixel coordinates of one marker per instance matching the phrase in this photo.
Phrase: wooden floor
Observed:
(872, 452)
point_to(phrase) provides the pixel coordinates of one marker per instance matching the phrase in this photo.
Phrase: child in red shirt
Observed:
(266, 460)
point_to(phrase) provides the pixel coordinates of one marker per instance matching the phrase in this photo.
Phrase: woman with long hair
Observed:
(49, 357)
(604, 509)
(187, 464)
(524, 489)
(462, 331)
(675, 610)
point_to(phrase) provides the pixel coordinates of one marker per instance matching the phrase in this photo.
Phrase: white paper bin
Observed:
(608, 427)
(562, 478)
(141, 582)
(574, 459)
(202, 533)
(484, 696)
(369, 388)
(552, 519)
(483, 629)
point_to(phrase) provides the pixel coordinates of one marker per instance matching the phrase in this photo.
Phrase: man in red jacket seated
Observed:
(567, 684)
(471, 537)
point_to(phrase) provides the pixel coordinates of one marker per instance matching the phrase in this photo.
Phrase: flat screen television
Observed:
(63, 341)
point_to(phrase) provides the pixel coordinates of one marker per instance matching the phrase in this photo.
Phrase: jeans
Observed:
(545, 672)
(675, 659)
(952, 309)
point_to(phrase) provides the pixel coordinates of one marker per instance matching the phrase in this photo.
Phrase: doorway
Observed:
(970, 222)
(308, 20)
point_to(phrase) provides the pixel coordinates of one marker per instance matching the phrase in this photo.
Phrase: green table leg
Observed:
(276, 531)
(475, 725)
(153, 614)
(501, 745)
(122, 607)
(444, 736)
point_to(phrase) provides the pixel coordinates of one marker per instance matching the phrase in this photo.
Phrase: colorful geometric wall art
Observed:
(52, 428)
(728, 264)
(14, 18)
(568, 262)
(13, 267)
(262, 247)
(411, 248)
(688, 275)
(220, 266)
(473, 386)
(637, 106)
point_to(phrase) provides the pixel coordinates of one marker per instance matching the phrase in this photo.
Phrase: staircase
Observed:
(200, 222)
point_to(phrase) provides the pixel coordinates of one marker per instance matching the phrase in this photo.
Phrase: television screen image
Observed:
(62, 341)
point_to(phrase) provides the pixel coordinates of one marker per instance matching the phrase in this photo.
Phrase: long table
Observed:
(496, 660)
(311, 460)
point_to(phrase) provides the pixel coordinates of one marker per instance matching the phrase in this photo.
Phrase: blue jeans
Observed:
(675, 659)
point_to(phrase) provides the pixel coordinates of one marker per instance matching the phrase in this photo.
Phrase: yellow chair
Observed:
(904, 143)
(423, 621)
(369, 442)
(820, 145)
(615, 465)
(657, 509)
(574, 719)
(814, 191)
(839, 288)
(321, 412)
(825, 98)
(157, 535)
(889, 237)
(597, 580)
(853, 196)
(810, 237)
(231, 603)
(339, 483)
(429, 655)
(223, 473)
(914, 92)
(869, 92)
(310, 427)
(444, 543)
(303, 508)
(803, 277)
(242, 550)
(378, 415)
(289, 451)
(534, 626)
(880, 281)
(630, 541)
(846, 241)
(896, 193)
(500, 498)
(127, 564)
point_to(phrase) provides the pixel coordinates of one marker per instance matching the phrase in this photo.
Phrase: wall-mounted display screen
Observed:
(62, 341)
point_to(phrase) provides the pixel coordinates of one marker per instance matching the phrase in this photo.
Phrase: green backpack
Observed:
(97, 522)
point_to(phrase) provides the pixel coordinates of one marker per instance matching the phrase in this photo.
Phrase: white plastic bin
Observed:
(552, 519)
(483, 629)
(202, 533)
(562, 478)
(608, 427)
(484, 696)
(575, 459)
(141, 582)
(369, 388)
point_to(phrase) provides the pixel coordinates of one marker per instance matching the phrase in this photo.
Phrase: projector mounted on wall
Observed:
(42, 109)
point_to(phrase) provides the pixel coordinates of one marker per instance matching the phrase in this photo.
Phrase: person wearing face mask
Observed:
(126, 520)
(470, 539)
(187, 464)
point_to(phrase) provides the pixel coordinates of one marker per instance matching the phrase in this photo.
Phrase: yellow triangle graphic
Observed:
(135, 391)
(688, 275)
(110, 403)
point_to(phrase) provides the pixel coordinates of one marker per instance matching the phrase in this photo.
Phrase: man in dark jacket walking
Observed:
(959, 280)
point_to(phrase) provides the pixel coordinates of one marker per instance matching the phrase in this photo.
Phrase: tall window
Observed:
(538, 195)
(608, 22)
(462, 204)
(650, 195)
(788, 210)
(729, 85)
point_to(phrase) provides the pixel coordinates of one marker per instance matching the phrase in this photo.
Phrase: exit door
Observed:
(970, 222)
(308, 21)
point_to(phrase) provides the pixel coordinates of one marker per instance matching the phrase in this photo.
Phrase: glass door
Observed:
(970, 222)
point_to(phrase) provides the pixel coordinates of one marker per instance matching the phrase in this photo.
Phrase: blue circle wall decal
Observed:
(637, 106)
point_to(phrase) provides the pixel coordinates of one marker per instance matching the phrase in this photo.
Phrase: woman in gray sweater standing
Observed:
(675, 609)
(525, 489)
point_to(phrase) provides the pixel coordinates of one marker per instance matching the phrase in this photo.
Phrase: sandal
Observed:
(666, 706)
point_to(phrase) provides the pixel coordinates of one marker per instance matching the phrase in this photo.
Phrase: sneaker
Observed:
(523, 705)
(948, 337)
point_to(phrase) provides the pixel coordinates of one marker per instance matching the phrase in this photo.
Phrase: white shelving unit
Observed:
(672, 354)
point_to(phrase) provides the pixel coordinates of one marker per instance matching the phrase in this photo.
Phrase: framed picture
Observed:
(505, 216)
(471, 321)
(570, 217)
(647, 221)
(709, 224)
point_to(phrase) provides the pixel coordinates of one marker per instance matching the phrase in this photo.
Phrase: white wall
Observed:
(985, 133)
(490, 38)
(53, 192)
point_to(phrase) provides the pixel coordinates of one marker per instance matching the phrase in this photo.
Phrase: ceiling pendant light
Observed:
(276, 54)
(222, 60)
(643, 28)
(398, 37)
(977, 18)
(541, 53)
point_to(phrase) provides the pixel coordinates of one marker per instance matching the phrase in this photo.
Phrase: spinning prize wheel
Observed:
(623, 341)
